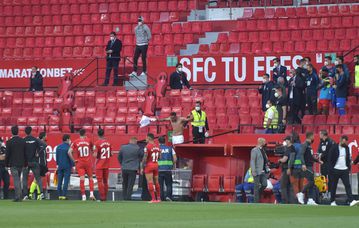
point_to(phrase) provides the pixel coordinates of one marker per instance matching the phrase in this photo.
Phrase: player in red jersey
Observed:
(102, 151)
(149, 166)
(82, 148)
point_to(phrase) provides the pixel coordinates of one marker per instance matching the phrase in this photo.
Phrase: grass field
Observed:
(141, 214)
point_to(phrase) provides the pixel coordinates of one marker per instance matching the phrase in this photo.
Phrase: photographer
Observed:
(4, 174)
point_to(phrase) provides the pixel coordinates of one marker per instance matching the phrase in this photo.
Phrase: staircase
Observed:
(192, 49)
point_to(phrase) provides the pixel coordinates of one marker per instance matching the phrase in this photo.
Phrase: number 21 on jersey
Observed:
(105, 153)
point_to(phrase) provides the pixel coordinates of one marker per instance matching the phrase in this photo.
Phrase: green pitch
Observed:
(65, 214)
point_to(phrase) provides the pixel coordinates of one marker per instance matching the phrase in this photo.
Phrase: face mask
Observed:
(267, 106)
(139, 23)
(179, 69)
(276, 64)
(336, 62)
(288, 78)
(198, 108)
(305, 66)
(264, 80)
(285, 143)
(326, 63)
(276, 94)
(112, 38)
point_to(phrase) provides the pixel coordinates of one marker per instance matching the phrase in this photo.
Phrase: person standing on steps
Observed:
(143, 36)
(113, 52)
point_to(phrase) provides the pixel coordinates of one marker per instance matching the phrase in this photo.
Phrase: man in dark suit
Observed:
(36, 83)
(113, 51)
(266, 89)
(15, 158)
(296, 96)
(339, 166)
(178, 78)
(279, 71)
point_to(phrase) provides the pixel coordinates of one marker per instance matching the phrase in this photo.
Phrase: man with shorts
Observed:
(103, 152)
(178, 124)
(82, 147)
(149, 167)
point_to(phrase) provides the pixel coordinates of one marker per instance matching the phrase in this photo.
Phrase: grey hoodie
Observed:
(143, 34)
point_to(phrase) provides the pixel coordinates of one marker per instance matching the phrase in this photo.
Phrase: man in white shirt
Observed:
(340, 165)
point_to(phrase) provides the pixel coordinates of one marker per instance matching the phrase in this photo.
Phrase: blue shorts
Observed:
(341, 102)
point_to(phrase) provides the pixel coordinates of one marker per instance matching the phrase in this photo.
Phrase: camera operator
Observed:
(4, 174)
(285, 185)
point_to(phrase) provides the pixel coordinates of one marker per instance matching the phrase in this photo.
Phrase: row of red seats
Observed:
(114, 7)
(332, 129)
(296, 35)
(214, 183)
(96, 20)
(91, 29)
(79, 52)
(295, 23)
(280, 47)
(290, 12)
(111, 111)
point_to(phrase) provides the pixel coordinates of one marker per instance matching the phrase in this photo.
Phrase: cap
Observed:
(140, 19)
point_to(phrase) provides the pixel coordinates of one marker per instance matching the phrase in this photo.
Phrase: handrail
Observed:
(350, 51)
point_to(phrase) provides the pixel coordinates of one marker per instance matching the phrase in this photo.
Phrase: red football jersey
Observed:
(83, 149)
(153, 152)
(103, 149)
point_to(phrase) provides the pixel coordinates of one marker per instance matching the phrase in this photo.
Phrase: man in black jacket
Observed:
(4, 174)
(36, 83)
(340, 165)
(113, 51)
(325, 145)
(266, 89)
(32, 149)
(178, 79)
(296, 96)
(279, 71)
(307, 160)
(16, 159)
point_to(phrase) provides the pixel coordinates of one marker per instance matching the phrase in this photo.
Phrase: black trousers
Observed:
(35, 168)
(312, 104)
(198, 137)
(140, 50)
(344, 176)
(5, 178)
(165, 177)
(286, 188)
(293, 115)
(260, 183)
(309, 175)
(112, 64)
(128, 180)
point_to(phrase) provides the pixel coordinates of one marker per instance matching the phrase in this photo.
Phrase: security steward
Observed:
(271, 118)
(199, 124)
(166, 163)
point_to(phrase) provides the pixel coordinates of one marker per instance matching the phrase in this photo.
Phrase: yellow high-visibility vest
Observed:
(357, 76)
(274, 123)
(198, 120)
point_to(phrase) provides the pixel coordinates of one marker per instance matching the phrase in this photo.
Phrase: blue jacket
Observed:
(342, 86)
(62, 158)
(312, 84)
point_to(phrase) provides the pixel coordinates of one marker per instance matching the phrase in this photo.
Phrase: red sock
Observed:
(151, 190)
(158, 191)
(82, 187)
(91, 185)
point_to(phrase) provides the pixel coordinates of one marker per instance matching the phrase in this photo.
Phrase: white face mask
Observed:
(276, 94)
(264, 80)
(179, 69)
(288, 78)
(139, 23)
(276, 64)
(305, 66)
(326, 63)
(198, 108)
(336, 62)
(112, 38)
(284, 143)
(267, 106)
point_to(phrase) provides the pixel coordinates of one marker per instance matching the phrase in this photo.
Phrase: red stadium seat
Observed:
(214, 183)
(199, 183)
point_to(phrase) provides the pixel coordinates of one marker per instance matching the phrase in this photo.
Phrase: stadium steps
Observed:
(191, 49)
